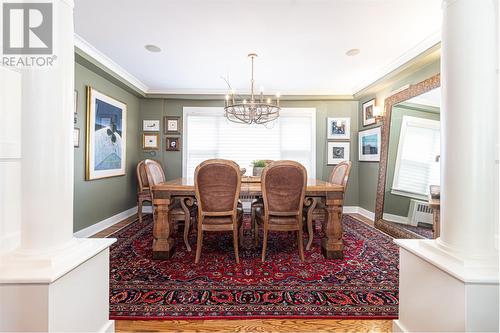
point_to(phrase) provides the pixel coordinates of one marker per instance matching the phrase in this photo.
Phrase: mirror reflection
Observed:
(413, 164)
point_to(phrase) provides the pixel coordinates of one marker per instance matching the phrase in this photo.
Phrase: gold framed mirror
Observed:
(409, 161)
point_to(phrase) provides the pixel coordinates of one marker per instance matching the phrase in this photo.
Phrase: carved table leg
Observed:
(187, 202)
(163, 243)
(332, 245)
(311, 204)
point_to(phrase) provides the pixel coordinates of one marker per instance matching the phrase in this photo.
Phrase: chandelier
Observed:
(253, 109)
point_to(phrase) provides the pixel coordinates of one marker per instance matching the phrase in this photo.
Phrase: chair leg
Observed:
(264, 244)
(139, 210)
(300, 244)
(199, 242)
(235, 244)
(310, 231)
(187, 226)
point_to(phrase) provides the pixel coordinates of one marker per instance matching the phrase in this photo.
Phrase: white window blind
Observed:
(208, 134)
(416, 166)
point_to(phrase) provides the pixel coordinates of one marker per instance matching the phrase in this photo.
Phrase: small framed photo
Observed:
(172, 125)
(75, 106)
(150, 141)
(369, 145)
(151, 125)
(339, 128)
(338, 152)
(173, 144)
(368, 116)
(76, 137)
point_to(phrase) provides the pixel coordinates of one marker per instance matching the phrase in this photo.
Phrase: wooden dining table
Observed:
(318, 194)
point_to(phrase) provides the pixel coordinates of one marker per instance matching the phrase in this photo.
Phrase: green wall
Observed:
(99, 199)
(172, 161)
(397, 204)
(368, 171)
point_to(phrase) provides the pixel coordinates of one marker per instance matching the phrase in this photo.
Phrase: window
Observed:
(208, 134)
(416, 163)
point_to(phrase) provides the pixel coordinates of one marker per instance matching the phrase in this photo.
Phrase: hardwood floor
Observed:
(253, 325)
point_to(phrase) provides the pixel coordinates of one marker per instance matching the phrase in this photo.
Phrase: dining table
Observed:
(319, 194)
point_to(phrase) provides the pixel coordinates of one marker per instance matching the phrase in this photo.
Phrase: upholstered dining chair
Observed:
(339, 176)
(217, 186)
(178, 210)
(143, 192)
(257, 204)
(283, 191)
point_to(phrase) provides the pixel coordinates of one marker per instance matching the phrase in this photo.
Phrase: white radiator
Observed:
(419, 212)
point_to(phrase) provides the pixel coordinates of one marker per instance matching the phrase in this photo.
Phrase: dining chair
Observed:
(143, 192)
(338, 176)
(178, 210)
(217, 188)
(257, 204)
(283, 191)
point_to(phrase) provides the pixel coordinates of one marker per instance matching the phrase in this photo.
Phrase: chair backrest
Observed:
(217, 184)
(142, 177)
(154, 172)
(340, 174)
(283, 188)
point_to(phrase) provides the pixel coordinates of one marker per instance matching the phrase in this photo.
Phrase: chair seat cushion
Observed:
(223, 219)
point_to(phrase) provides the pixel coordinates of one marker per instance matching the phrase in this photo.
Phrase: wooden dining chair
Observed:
(338, 176)
(257, 204)
(143, 192)
(178, 210)
(217, 186)
(283, 191)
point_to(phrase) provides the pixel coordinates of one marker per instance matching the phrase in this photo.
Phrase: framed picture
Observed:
(75, 106)
(151, 125)
(173, 144)
(339, 128)
(368, 116)
(172, 125)
(150, 141)
(106, 136)
(76, 137)
(369, 145)
(338, 152)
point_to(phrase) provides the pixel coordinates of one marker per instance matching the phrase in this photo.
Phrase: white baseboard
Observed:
(99, 226)
(396, 218)
(359, 210)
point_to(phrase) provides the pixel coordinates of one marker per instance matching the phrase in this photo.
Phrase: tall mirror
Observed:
(410, 159)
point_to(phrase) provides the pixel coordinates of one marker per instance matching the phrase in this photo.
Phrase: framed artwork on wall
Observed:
(172, 125)
(369, 145)
(338, 152)
(150, 141)
(338, 128)
(368, 116)
(106, 136)
(151, 125)
(173, 144)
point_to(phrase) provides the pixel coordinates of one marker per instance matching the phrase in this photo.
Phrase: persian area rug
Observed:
(363, 285)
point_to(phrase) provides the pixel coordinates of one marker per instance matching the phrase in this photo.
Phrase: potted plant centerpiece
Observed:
(258, 166)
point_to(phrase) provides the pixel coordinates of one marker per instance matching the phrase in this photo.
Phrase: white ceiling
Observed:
(301, 43)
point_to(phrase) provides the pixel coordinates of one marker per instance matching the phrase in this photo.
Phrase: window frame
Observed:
(428, 123)
(209, 110)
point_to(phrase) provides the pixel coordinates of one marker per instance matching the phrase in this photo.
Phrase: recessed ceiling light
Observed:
(352, 52)
(152, 48)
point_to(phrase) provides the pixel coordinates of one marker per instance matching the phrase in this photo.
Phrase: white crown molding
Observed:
(343, 94)
(412, 53)
(107, 62)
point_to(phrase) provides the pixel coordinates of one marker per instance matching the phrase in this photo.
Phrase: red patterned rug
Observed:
(364, 285)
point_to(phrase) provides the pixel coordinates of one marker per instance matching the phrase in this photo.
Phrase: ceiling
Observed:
(301, 43)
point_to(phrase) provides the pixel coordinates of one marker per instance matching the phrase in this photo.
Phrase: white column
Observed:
(47, 144)
(469, 127)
